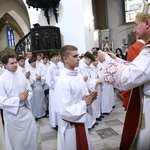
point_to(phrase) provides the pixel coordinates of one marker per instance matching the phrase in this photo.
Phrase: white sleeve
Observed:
(10, 104)
(126, 76)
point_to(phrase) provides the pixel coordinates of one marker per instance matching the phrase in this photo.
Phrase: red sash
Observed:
(81, 138)
(133, 120)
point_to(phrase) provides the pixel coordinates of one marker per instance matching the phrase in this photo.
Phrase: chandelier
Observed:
(47, 5)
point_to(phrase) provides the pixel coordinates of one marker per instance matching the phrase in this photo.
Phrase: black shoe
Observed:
(91, 127)
(47, 116)
(105, 113)
(96, 123)
(101, 116)
(56, 128)
(99, 119)
(114, 106)
(36, 119)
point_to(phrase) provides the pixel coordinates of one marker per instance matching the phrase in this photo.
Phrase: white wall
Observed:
(73, 21)
(88, 24)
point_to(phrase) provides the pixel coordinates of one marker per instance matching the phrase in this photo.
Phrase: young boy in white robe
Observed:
(15, 95)
(86, 71)
(21, 66)
(39, 59)
(43, 67)
(95, 77)
(28, 56)
(51, 76)
(37, 81)
(71, 101)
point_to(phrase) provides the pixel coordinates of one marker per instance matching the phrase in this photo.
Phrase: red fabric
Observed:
(133, 52)
(81, 138)
(133, 120)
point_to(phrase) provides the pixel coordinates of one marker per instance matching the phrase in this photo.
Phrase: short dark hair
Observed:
(52, 53)
(31, 60)
(45, 56)
(38, 54)
(5, 57)
(90, 56)
(20, 58)
(66, 49)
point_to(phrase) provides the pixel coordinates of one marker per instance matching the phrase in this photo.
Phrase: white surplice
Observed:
(27, 65)
(97, 103)
(69, 90)
(51, 76)
(21, 69)
(43, 69)
(124, 76)
(20, 126)
(86, 70)
(38, 104)
(107, 98)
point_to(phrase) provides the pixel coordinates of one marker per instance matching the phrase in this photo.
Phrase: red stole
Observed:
(133, 120)
(81, 138)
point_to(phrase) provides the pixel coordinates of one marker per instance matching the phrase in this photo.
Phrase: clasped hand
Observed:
(23, 95)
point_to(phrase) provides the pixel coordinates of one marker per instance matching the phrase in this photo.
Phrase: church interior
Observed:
(42, 25)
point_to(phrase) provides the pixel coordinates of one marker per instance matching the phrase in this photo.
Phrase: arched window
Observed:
(10, 37)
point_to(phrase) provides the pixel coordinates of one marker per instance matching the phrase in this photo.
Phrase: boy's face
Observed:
(33, 64)
(11, 65)
(55, 59)
(45, 60)
(29, 54)
(21, 63)
(39, 58)
(88, 61)
(72, 60)
(95, 63)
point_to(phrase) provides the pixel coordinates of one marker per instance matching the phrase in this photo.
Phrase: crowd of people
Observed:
(75, 95)
(40, 74)
(81, 90)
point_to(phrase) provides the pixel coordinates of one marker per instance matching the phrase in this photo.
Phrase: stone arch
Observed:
(15, 14)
